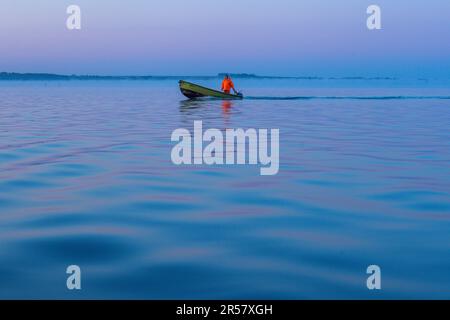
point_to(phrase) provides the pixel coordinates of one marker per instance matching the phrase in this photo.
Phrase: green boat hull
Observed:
(193, 91)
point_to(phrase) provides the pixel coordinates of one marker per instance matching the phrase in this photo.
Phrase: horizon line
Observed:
(54, 76)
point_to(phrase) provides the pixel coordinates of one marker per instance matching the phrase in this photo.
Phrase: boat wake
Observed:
(352, 98)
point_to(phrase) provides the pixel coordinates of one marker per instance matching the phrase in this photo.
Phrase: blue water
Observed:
(86, 178)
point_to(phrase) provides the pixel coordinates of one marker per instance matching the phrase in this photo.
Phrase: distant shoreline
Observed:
(13, 76)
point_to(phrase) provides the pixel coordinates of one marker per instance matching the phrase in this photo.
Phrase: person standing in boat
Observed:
(227, 85)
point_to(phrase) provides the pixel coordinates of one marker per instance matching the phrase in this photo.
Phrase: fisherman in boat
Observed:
(227, 85)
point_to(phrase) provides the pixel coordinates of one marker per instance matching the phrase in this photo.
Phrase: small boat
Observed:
(192, 91)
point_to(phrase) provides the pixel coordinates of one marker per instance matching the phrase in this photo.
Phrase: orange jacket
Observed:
(227, 84)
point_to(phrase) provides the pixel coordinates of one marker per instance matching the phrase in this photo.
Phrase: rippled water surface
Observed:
(86, 178)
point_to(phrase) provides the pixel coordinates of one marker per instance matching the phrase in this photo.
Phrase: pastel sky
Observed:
(179, 37)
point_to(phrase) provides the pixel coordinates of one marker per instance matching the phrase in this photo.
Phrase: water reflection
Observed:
(207, 109)
(226, 111)
(86, 178)
(188, 106)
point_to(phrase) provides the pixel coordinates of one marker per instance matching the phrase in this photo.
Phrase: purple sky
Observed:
(284, 37)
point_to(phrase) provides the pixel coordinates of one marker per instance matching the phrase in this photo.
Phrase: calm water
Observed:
(86, 178)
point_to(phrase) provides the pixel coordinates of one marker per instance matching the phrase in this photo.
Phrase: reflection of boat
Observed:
(193, 91)
(186, 105)
(226, 106)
